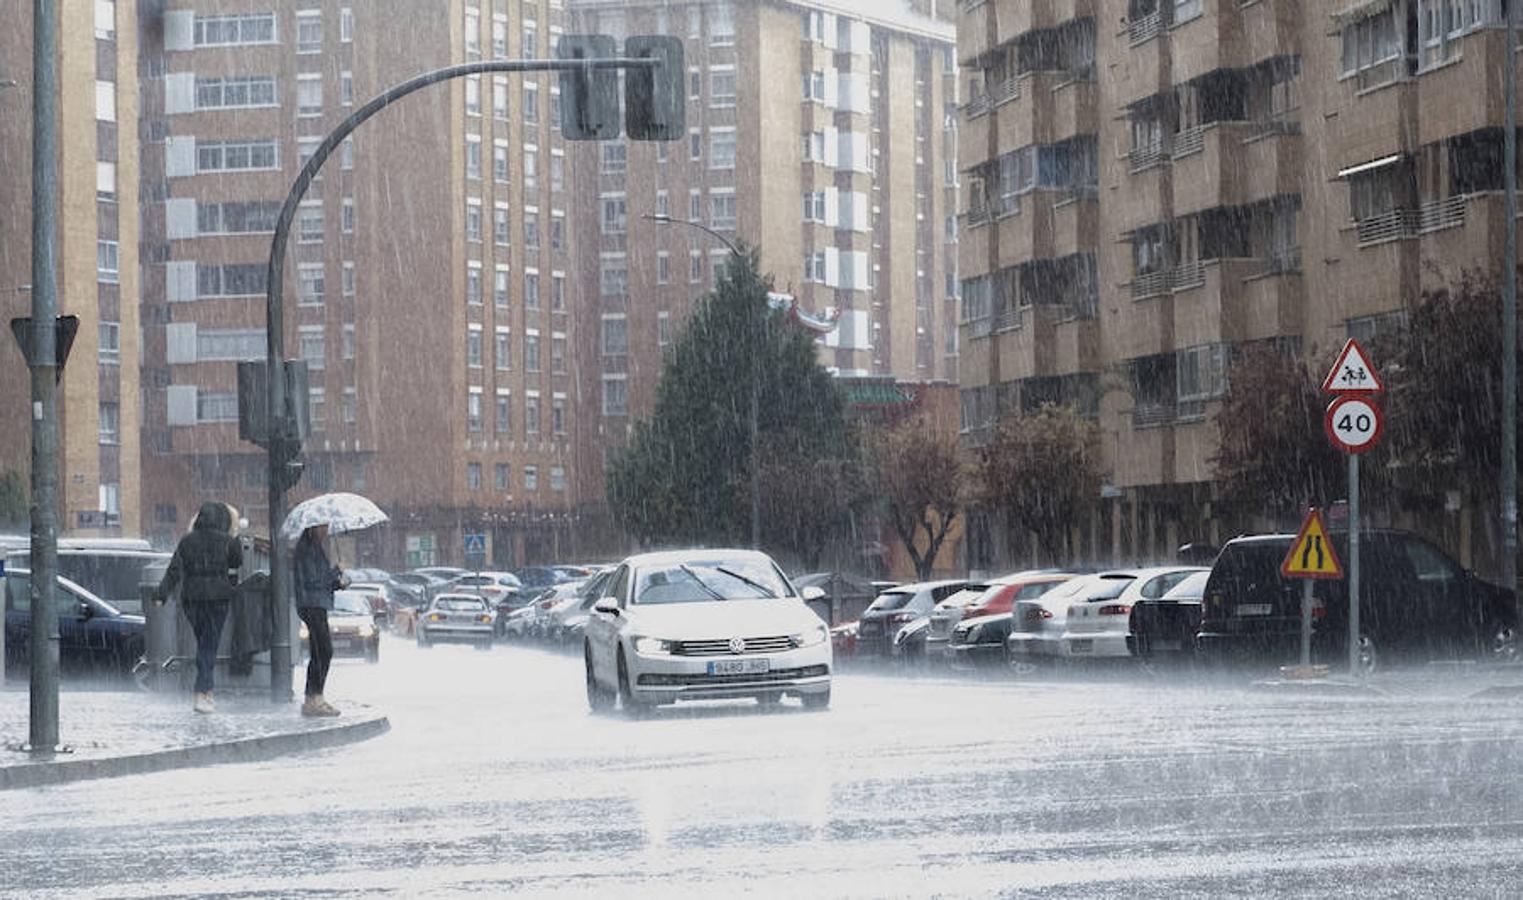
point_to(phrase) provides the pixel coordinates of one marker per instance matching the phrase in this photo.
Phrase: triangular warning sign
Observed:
(1312, 554)
(1352, 373)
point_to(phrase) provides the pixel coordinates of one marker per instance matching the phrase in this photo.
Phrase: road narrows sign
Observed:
(1352, 373)
(1354, 423)
(1312, 555)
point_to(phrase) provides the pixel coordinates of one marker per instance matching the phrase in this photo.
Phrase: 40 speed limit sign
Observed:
(1354, 423)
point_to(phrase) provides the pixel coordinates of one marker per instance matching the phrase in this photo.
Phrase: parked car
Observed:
(1166, 626)
(110, 573)
(702, 624)
(979, 640)
(443, 573)
(946, 614)
(492, 586)
(990, 598)
(1416, 603)
(1098, 626)
(352, 625)
(1038, 626)
(379, 596)
(368, 575)
(415, 589)
(459, 618)
(541, 576)
(94, 637)
(549, 608)
(881, 623)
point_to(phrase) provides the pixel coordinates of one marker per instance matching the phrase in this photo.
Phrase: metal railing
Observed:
(1005, 91)
(1190, 140)
(1395, 224)
(1007, 319)
(1153, 414)
(1144, 29)
(1142, 158)
(1440, 214)
(1187, 275)
(1283, 260)
(1150, 285)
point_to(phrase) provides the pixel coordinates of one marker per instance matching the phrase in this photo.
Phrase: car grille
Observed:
(721, 647)
(702, 680)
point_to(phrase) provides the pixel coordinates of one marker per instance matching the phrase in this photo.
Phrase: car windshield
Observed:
(1192, 588)
(700, 581)
(891, 600)
(1108, 588)
(460, 604)
(351, 602)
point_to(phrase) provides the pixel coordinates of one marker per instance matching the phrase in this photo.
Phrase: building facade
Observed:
(425, 276)
(97, 252)
(818, 132)
(1140, 199)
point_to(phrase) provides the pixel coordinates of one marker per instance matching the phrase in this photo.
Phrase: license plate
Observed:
(1085, 645)
(1254, 609)
(739, 666)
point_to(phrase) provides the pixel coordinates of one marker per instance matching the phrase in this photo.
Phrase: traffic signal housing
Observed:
(589, 97)
(655, 97)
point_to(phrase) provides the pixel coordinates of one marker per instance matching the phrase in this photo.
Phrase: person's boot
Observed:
(328, 708)
(204, 703)
(315, 707)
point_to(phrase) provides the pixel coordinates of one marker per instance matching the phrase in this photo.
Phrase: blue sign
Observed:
(476, 543)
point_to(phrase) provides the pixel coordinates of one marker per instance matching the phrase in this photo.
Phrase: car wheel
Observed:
(373, 655)
(1369, 661)
(1503, 646)
(631, 706)
(599, 698)
(819, 700)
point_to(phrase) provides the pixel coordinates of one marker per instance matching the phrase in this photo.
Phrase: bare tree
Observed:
(1043, 471)
(921, 479)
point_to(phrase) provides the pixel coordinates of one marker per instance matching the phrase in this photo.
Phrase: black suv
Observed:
(1416, 604)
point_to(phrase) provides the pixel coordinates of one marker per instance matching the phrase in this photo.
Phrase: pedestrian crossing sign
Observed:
(1312, 554)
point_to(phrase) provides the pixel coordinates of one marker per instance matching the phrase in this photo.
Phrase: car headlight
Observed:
(367, 630)
(303, 631)
(819, 634)
(973, 634)
(649, 646)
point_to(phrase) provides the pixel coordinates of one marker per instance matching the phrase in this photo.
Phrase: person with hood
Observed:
(205, 570)
(316, 579)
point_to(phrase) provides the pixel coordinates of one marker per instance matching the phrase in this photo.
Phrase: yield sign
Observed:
(1352, 373)
(1312, 554)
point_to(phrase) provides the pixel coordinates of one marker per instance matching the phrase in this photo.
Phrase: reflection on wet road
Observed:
(495, 779)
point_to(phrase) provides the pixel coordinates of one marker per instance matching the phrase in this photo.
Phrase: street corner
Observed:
(109, 736)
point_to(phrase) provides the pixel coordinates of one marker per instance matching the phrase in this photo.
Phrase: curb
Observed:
(1319, 688)
(253, 749)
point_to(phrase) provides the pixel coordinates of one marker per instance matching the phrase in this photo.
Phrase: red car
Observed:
(1001, 598)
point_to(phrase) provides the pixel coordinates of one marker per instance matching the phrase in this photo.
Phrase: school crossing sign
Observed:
(1354, 421)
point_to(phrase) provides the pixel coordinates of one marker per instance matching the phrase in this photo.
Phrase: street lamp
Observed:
(755, 385)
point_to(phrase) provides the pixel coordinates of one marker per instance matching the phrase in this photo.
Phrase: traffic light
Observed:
(589, 97)
(655, 98)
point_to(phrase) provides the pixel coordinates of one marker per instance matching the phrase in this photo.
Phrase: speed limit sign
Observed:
(1354, 423)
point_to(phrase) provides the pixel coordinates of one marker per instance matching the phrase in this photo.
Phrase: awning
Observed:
(1362, 9)
(1373, 164)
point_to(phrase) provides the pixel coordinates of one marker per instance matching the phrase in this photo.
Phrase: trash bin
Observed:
(161, 632)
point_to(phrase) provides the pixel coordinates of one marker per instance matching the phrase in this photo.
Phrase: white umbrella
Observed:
(340, 512)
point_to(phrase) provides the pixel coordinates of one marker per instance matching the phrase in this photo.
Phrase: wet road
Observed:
(496, 780)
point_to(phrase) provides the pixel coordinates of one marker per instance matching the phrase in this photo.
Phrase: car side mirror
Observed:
(85, 610)
(608, 605)
(811, 593)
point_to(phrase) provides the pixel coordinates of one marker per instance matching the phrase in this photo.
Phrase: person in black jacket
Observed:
(316, 580)
(205, 570)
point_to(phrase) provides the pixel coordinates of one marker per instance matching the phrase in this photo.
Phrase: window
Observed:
(309, 32)
(236, 156)
(216, 407)
(346, 215)
(531, 413)
(473, 284)
(814, 146)
(500, 162)
(346, 154)
(722, 148)
(615, 395)
(558, 291)
(663, 204)
(558, 414)
(500, 226)
(615, 334)
(614, 214)
(555, 107)
(722, 86)
(105, 20)
(473, 95)
(528, 44)
(531, 478)
(110, 423)
(317, 407)
(1202, 376)
(694, 84)
(345, 25)
(721, 25)
(473, 32)
(814, 25)
(557, 231)
(615, 157)
(349, 406)
(309, 284)
(531, 229)
(313, 346)
(531, 350)
(814, 86)
(814, 206)
(663, 267)
(234, 92)
(814, 266)
(309, 222)
(557, 170)
(558, 353)
(309, 95)
(499, 37)
(1371, 41)
(105, 180)
(473, 156)
(500, 98)
(614, 276)
(500, 476)
(239, 280)
(557, 478)
(531, 167)
(473, 220)
(531, 289)
(694, 205)
(107, 266)
(663, 328)
(503, 422)
(722, 210)
(695, 267)
(473, 409)
(500, 287)
(110, 344)
(531, 103)
(237, 218)
(473, 346)
(502, 354)
(214, 344)
(346, 88)
(347, 276)
(234, 30)
(695, 145)
(347, 341)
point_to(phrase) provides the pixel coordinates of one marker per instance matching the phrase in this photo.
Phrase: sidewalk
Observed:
(115, 733)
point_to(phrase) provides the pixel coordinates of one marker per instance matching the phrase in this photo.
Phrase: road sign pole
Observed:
(1353, 564)
(1306, 623)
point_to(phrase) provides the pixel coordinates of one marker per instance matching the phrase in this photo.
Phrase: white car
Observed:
(1038, 626)
(704, 624)
(1097, 626)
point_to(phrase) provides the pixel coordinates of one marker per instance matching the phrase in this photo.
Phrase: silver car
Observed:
(458, 618)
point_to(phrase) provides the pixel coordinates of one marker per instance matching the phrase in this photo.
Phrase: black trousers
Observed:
(206, 619)
(320, 647)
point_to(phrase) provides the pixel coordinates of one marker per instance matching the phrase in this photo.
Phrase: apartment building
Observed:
(1150, 183)
(425, 286)
(97, 251)
(821, 132)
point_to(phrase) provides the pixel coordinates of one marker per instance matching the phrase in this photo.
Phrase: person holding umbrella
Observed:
(316, 580)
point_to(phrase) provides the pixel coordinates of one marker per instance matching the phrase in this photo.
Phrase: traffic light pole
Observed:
(283, 444)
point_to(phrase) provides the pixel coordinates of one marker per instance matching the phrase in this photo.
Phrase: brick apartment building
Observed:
(1149, 183)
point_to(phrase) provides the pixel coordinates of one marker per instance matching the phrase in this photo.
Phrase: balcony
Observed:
(1271, 160)
(1025, 352)
(1072, 109)
(1231, 300)
(973, 148)
(1267, 30)
(1026, 235)
(1196, 440)
(1371, 123)
(1048, 340)
(976, 34)
(1144, 452)
(1462, 233)
(1031, 15)
(1206, 43)
(1146, 328)
(1075, 222)
(1466, 93)
(1143, 69)
(973, 245)
(1145, 195)
(1208, 167)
